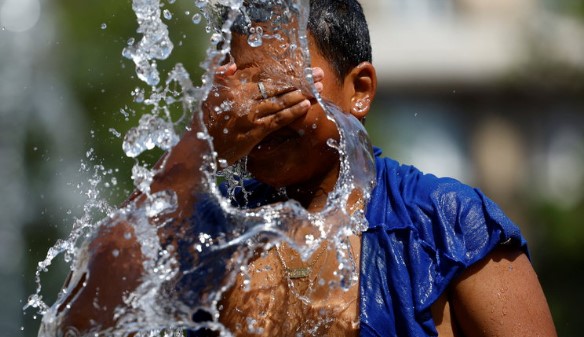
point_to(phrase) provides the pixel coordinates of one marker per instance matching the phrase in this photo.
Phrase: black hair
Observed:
(340, 31)
(338, 27)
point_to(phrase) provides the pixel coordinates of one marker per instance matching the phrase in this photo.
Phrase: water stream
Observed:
(186, 273)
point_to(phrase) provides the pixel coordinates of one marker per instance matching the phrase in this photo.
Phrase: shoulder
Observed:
(408, 192)
(426, 230)
(444, 214)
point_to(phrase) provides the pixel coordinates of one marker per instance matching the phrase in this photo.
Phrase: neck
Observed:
(313, 194)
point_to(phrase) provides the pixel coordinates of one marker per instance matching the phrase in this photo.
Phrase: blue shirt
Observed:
(423, 232)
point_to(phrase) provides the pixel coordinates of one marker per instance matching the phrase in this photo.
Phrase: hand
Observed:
(238, 116)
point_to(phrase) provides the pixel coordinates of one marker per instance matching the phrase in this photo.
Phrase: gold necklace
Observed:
(298, 273)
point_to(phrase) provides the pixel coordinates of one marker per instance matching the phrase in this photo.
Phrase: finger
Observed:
(226, 70)
(271, 89)
(317, 78)
(319, 86)
(317, 74)
(284, 117)
(276, 104)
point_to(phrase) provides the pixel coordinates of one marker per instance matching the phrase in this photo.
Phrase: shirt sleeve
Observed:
(423, 232)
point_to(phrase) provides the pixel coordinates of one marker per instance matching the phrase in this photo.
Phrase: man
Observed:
(438, 257)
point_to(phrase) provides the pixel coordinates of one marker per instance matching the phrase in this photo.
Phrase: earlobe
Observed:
(361, 106)
(364, 82)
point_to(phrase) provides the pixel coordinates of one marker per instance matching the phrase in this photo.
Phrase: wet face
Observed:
(297, 153)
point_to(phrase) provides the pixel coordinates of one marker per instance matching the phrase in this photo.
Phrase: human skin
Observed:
(298, 158)
(499, 296)
(102, 278)
(294, 154)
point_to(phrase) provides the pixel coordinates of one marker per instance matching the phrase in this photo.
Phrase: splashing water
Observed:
(184, 268)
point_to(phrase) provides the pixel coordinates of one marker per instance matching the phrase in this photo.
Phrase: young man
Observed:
(438, 257)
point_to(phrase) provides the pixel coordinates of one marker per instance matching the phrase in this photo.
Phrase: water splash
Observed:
(155, 43)
(185, 268)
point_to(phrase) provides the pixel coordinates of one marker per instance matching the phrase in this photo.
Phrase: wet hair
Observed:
(338, 27)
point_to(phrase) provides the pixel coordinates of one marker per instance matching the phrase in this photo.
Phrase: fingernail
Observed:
(319, 86)
(305, 103)
(317, 72)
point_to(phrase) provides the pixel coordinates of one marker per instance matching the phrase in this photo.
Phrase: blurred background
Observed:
(489, 92)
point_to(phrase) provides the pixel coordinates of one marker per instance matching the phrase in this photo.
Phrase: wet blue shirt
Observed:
(423, 232)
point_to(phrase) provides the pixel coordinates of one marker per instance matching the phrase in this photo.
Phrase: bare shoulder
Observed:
(501, 296)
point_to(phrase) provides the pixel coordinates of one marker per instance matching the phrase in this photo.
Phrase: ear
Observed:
(363, 82)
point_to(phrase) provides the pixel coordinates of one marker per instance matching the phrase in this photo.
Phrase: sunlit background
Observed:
(490, 92)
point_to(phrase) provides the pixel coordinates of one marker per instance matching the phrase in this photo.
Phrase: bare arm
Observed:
(112, 263)
(109, 266)
(501, 296)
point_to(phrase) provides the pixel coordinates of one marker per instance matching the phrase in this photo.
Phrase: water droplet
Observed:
(128, 53)
(333, 143)
(314, 126)
(216, 38)
(197, 18)
(225, 131)
(115, 132)
(142, 178)
(138, 94)
(255, 38)
(115, 253)
(160, 203)
(103, 25)
(167, 14)
(148, 72)
(124, 113)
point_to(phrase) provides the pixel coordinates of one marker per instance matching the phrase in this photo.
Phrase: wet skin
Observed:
(284, 136)
(287, 147)
(499, 296)
(293, 154)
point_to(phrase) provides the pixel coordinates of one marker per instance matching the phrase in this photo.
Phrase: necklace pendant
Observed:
(296, 273)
